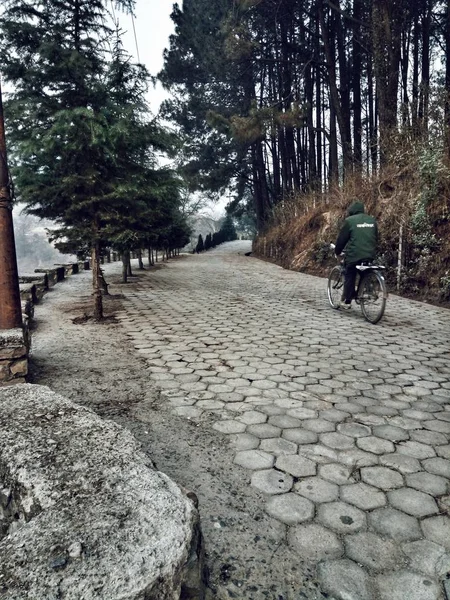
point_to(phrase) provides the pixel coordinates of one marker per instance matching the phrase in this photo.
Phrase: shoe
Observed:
(345, 306)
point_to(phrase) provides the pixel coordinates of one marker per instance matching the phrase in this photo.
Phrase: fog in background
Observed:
(32, 246)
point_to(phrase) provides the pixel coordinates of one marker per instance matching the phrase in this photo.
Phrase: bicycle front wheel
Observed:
(373, 296)
(335, 286)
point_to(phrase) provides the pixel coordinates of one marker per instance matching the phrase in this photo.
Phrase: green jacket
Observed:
(359, 236)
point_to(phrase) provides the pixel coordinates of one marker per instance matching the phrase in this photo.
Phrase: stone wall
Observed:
(83, 511)
(13, 356)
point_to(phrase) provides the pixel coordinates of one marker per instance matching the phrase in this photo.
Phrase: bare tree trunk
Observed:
(400, 257)
(103, 284)
(356, 83)
(141, 262)
(96, 275)
(386, 23)
(124, 268)
(447, 81)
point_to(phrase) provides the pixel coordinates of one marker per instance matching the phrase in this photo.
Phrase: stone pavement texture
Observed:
(344, 426)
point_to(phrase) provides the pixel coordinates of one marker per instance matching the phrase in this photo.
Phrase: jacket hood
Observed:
(356, 208)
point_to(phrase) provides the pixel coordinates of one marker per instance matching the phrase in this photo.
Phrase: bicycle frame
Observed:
(370, 291)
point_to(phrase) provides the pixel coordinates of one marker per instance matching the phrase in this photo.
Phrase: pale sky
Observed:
(153, 28)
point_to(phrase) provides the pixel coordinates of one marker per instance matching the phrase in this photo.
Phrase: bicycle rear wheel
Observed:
(372, 296)
(335, 286)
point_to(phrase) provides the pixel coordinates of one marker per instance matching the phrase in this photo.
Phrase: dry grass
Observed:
(303, 227)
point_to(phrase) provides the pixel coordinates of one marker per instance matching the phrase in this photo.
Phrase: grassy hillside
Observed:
(412, 205)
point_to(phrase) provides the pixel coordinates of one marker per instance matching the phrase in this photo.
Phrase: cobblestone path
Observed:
(343, 425)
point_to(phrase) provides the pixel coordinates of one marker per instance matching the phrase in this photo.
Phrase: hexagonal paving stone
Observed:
(358, 458)
(337, 473)
(401, 462)
(373, 552)
(229, 397)
(338, 441)
(271, 409)
(369, 420)
(272, 481)
(300, 436)
(428, 557)
(413, 502)
(333, 415)
(254, 459)
(345, 580)
(384, 411)
(382, 477)
(395, 524)
(390, 432)
(363, 496)
(439, 426)
(319, 453)
(229, 426)
(407, 585)
(318, 425)
(278, 446)
(317, 489)
(375, 444)
(284, 421)
(354, 430)
(416, 449)
(264, 430)
(437, 529)
(244, 441)
(252, 417)
(288, 403)
(302, 413)
(264, 384)
(437, 466)
(341, 517)
(313, 542)
(290, 509)
(405, 423)
(443, 451)
(210, 404)
(297, 466)
(428, 483)
(189, 412)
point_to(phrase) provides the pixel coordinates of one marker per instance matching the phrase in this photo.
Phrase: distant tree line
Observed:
(227, 233)
(82, 142)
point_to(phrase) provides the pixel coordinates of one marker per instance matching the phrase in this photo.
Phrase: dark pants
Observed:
(350, 280)
(349, 283)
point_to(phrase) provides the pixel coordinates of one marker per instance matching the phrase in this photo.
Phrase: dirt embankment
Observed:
(414, 229)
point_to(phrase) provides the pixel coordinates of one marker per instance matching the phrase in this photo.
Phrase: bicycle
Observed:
(371, 291)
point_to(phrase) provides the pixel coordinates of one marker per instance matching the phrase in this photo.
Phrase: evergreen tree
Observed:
(228, 230)
(200, 246)
(81, 133)
(54, 54)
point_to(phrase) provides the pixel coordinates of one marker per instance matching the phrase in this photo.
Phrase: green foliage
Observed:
(228, 230)
(200, 245)
(445, 286)
(82, 140)
(432, 173)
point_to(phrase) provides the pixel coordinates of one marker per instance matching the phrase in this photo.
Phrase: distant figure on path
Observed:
(359, 237)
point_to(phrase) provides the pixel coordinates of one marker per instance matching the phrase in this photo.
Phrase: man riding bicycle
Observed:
(359, 237)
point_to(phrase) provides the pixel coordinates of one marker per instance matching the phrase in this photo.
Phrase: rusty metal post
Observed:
(10, 306)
